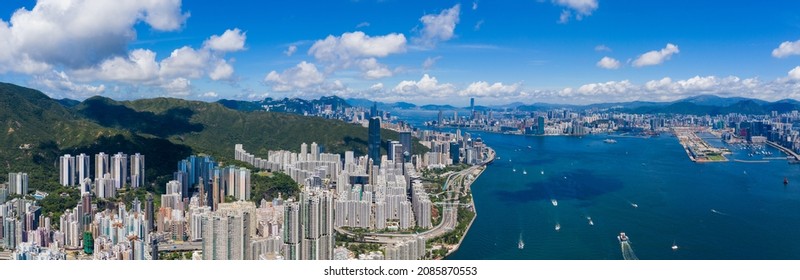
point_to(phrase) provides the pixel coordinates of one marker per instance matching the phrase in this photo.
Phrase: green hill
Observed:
(38, 129)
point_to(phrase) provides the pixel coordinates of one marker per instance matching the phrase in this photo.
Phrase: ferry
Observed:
(554, 202)
(610, 141)
(558, 226)
(622, 237)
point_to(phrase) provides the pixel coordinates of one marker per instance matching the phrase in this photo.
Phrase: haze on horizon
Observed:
(499, 52)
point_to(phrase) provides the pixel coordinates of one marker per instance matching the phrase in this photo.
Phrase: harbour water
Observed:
(730, 210)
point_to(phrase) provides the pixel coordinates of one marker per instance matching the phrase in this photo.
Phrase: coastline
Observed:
(483, 168)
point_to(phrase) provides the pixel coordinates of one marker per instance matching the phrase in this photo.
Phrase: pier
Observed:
(788, 151)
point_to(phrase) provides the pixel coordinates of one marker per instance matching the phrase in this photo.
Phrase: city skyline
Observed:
(574, 52)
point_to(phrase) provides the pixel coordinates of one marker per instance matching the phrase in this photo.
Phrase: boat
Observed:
(529, 147)
(622, 237)
(610, 141)
(524, 172)
(513, 169)
(591, 223)
(558, 226)
(674, 246)
(634, 205)
(520, 244)
(785, 181)
(542, 172)
(554, 202)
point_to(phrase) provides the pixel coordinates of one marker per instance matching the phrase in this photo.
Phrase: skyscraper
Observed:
(373, 113)
(119, 169)
(82, 167)
(137, 171)
(100, 165)
(405, 140)
(314, 152)
(540, 125)
(66, 174)
(374, 147)
(454, 152)
(150, 212)
(18, 183)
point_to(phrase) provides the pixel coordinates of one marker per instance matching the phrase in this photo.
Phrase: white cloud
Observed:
(794, 74)
(581, 9)
(427, 86)
(362, 24)
(61, 82)
(209, 94)
(300, 77)
(484, 89)
(373, 70)
(438, 27)
(602, 48)
(608, 63)
(178, 87)
(290, 51)
(141, 66)
(474, 5)
(430, 62)
(376, 87)
(79, 33)
(222, 71)
(786, 49)
(231, 40)
(360, 50)
(354, 45)
(656, 57)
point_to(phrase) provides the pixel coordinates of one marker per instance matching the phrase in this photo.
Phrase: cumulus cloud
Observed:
(79, 33)
(580, 8)
(360, 50)
(230, 41)
(373, 70)
(608, 63)
(222, 71)
(301, 77)
(438, 27)
(178, 87)
(794, 74)
(786, 49)
(484, 89)
(290, 51)
(354, 45)
(427, 86)
(656, 57)
(61, 82)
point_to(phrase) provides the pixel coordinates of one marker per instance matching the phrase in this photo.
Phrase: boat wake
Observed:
(718, 212)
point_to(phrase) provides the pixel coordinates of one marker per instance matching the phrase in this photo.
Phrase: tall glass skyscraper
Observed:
(374, 147)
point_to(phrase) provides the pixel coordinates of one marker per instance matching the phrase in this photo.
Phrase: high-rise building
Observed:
(119, 169)
(455, 152)
(137, 171)
(374, 147)
(18, 183)
(540, 125)
(66, 174)
(82, 168)
(226, 236)
(405, 140)
(394, 151)
(440, 120)
(373, 113)
(100, 165)
(314, 152)
(303, 151)
(149, 209)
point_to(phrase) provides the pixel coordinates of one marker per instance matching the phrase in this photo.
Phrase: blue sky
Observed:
(562, 51)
